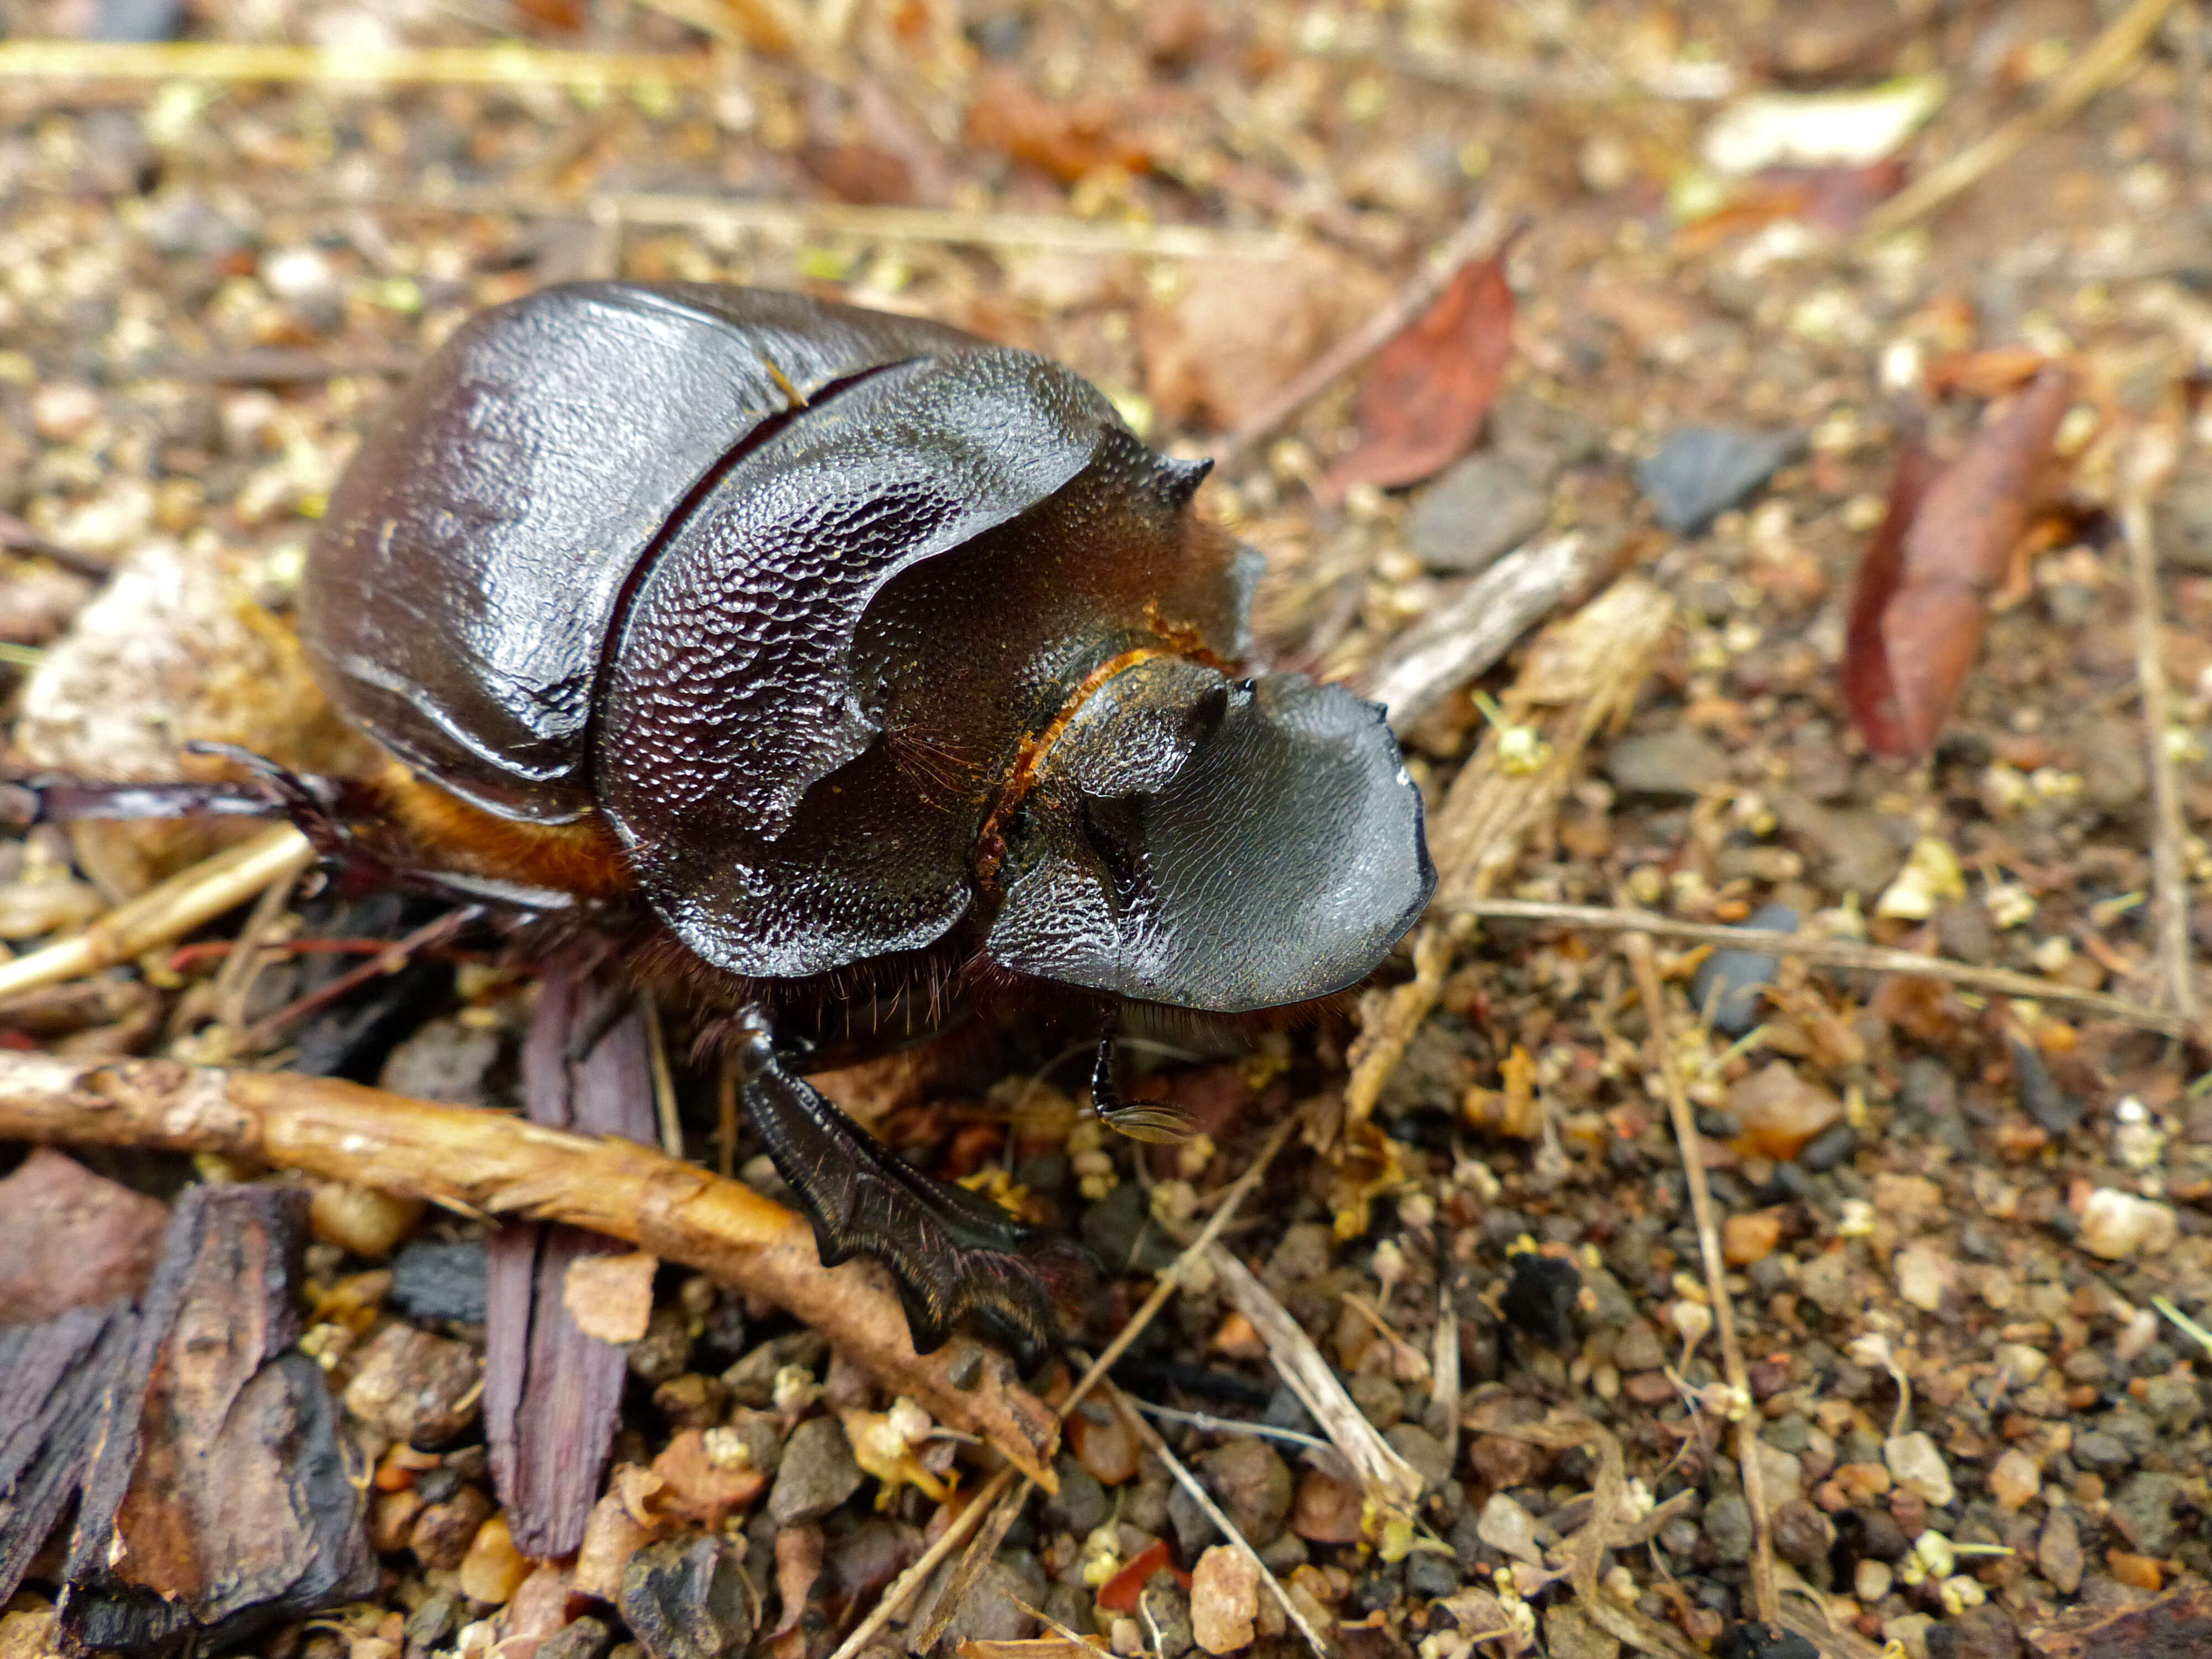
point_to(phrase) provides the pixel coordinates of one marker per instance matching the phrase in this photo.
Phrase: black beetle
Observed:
(813, 652)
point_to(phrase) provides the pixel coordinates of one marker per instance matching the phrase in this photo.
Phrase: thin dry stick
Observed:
(465, 66)
(484, 1163)
(903, 1589)
(1204, 1499)
(2169, 873)
(2107, 60)
(1638, 947)
(1829, 952)
(664, 1081)
(234, 983)
(263, 1033)
(185, 902)
(1482, 234)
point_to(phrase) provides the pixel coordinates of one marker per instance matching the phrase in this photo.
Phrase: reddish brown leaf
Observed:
(1066, 140)
(1423, 405)
(1944, 547)
(798, 1565)
(1835, 199)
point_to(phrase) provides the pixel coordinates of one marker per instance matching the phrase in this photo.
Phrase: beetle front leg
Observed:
(954, 1254)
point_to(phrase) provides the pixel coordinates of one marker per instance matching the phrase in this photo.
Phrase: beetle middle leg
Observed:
(954, 1254)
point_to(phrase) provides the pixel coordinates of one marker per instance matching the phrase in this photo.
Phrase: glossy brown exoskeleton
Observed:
(812, 650)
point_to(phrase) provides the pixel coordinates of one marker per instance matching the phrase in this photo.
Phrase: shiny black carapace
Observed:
(810, 649)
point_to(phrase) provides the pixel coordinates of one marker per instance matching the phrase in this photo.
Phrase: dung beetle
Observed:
(813, 652)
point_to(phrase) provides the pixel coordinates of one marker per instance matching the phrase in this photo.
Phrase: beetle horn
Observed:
(1179, 480)
(1216, 845)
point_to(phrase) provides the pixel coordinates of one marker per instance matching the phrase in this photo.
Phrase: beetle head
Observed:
(1213, 844)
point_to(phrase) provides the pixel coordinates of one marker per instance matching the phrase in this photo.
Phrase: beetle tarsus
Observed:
(956, 1256)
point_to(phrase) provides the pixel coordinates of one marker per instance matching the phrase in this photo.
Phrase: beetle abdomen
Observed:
(475, 557)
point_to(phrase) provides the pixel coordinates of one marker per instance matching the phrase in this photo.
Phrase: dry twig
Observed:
(450, 66)
(1437, 656)
(484, 1163)
(1638, 948)
(2108, 60)
(1831, 953)
(2148, 468)
(185, 901)
(1393, 1486)
(1481, 235)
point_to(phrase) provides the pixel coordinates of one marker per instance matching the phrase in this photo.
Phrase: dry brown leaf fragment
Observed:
(1944, 548)
(1066, 140)
(610, 1295)
(1426, 398)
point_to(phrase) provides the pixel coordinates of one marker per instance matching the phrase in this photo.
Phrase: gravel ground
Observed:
(1951, 1223)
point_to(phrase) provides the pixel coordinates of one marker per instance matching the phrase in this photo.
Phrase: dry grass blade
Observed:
(1204, 1499)
(2151, 465)
(1832, 953)
(185, 901)
(904, 1590)
(483, 1163)
(2109, 58)
(1392, 1485)
(1638, 948)
(1583, 674)
(450, 66)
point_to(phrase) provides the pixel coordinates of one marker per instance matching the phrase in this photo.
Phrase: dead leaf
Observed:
(1944, 548)
(1833, 199)
(1037, 1647)
(1218, 344)
(798, 1565)
(1066, 140)
(1426, 398)
(1994, 374)
(610, 1295)
(1120, 1591)
(2177, 1623)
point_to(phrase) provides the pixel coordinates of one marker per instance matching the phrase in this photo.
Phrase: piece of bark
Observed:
(218, 1500)
(54, 1380)
(486, 1163)
(2177, 1625)
(552, 1394)
(69, 1239)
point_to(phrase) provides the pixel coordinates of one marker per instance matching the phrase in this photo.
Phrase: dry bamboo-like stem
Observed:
(1482, 234)
(185, 901)
(1831, 953)
(2149, 467)
(1638, 948)
(451, 66)
(1583, 674)
(1393, 1486)
(1204, 1499)
(482, 1163)
(986, 1500)
(2104, 64)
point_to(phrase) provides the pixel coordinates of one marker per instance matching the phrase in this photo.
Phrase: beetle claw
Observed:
(955, 1255)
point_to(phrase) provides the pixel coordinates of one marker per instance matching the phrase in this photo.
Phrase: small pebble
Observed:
(818, 1473)
(431, 1281)
(415, 1388)
(1699, 472)
(1782, 1110)
(2014, 1479)
(1104, 1445)
(1918, 1467)
(1748, 1239)
(1923, 1275)
(1326, 1511)
(363, 1219)
(1727, 1526)
(493, 1569)
(1224, 1600)
(2116, 1224)
(1728, 982)
(687, 1599)
(1509, 1529)
(2058, 1551)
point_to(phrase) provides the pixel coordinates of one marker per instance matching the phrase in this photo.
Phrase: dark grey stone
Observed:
(1701, 472)
(1728, 982)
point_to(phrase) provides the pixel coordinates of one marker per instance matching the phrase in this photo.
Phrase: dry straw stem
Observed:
(177, 906)
(450, 66)
(1653, 995)
(2107, 61)
(2147, 469)
(1582, 674)
(801, 221)
(1204, 1499)
(481, 1162)
(904, 1587)
(1480, 236)
(1835, 953)
(1392, 1485)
